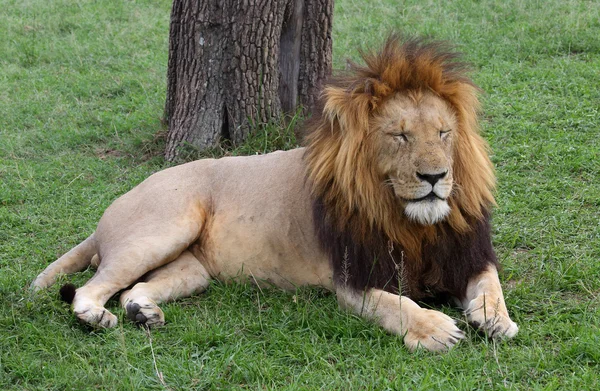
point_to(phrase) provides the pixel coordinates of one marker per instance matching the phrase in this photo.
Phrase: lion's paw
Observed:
(487, 316)
(96, 316)
(142, 310)
(432, 330)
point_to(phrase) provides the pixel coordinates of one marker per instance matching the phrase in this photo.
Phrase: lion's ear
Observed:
(372, 91)
(343, 107)
(354, 106)
(376, 91)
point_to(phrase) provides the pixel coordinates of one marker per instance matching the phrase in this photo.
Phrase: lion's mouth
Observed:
(427, 210)
(429, 197)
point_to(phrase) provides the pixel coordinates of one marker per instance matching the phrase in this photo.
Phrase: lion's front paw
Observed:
(432, 330)
(145, 311)
(491, 317)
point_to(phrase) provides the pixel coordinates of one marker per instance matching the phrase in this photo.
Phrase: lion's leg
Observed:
(400, 315)
(183, 277)
(89, 300)
(485, 308)
(113, 275)
(125, 258)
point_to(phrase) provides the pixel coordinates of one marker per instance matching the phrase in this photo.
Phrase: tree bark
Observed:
(235, 63)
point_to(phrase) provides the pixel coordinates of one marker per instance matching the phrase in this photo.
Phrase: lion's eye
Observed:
(401, 137)
(444, 134)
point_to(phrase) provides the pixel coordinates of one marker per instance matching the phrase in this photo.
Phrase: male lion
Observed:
(388, 203)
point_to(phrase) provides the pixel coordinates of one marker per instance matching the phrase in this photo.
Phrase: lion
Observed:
(388, 203)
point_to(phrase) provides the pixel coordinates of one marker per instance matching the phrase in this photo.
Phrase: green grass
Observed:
(82, 86)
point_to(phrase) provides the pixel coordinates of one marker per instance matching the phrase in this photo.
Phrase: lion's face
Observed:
(414, 135)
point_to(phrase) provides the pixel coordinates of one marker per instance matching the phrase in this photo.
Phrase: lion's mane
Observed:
(359, 222)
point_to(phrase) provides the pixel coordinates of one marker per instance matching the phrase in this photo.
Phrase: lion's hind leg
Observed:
(117, 271)
(183, 277)
(124, 260)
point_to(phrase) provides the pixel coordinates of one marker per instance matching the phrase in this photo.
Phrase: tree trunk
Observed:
(233, 63)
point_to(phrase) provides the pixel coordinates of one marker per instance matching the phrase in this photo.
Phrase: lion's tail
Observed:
(77, 259)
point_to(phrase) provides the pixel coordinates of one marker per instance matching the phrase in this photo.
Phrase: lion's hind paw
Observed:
(144, 311)
(96, 316)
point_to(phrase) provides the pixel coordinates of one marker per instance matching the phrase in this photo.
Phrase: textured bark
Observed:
(233, 63)
(315, 50)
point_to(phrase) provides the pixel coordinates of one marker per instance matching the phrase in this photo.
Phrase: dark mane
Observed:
(444, 268)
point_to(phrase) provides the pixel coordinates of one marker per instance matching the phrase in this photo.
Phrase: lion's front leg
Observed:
(400, 315)
(485, 308)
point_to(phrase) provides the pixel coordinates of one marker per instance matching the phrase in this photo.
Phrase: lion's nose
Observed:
(432, 178)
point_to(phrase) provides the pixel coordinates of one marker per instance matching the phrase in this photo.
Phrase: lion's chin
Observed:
(427, 212)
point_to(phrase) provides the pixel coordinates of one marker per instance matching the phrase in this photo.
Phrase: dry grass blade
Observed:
(159, 374)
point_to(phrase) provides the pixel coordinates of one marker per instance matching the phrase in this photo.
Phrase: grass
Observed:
(82, 86)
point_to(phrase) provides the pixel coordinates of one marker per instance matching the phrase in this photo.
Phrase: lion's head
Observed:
(412, 149)
(399, 136)
(395, 148)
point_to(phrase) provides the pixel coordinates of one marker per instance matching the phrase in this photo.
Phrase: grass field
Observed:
(82, 89)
